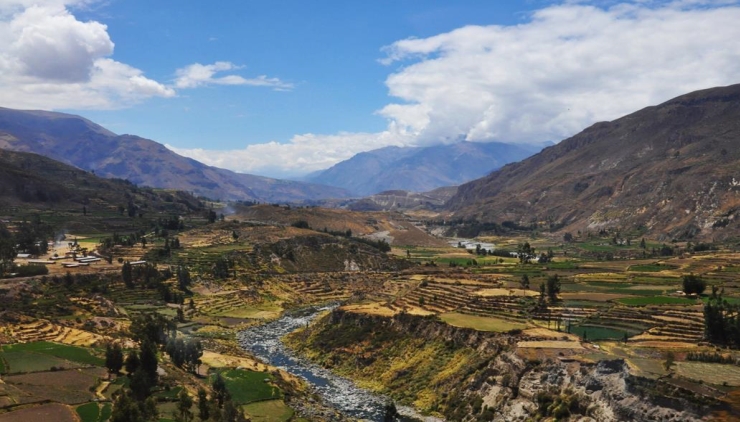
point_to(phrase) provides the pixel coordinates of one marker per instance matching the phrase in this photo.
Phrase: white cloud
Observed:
(49, 59)
(567, 67)
(571, 65)
(197, 74)
(303, 154)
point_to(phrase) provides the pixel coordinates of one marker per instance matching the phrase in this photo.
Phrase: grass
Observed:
(269, 411)
(480, 323)
(18, 362)
(62, 351)
(262, 311)
(597, 333)
(105, 414)
(88, 412)
(713, 373)
(648, 268)
(249, 386)
(656, 300)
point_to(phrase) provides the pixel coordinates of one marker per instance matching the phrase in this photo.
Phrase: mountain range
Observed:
(419, 169)
(77, 141)
(671, 169)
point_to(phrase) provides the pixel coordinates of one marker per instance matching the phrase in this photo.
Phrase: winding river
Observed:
(264, 342)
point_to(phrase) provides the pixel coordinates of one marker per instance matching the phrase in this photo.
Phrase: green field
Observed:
(89, 412)
(62, 351)
(269, 411)
(656, 300)
(249, 386)
(480, 323)
(597, 333)
(648, 268)
(19, 362)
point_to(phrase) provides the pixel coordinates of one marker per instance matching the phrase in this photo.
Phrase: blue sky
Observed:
(328, 50)
(283, 88)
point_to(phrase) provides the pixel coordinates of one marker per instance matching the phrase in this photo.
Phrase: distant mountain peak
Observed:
(419, 169)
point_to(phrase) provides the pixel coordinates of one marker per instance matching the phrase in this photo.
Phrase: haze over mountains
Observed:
(672, 169)
(420, 169)
(84, 144)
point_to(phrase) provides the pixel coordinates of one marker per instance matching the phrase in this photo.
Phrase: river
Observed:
(264, 341)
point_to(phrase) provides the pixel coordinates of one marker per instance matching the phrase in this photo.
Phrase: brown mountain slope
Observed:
(82, 143)
(673, 169)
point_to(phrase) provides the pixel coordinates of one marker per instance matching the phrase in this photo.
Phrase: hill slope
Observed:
(31, 184)
(670, 169)
(82, 143)
(419, 169)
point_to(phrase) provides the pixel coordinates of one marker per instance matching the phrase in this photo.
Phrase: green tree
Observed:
(220, 393)
(553, 287)
(203, 405)
(669, 361)
(127, 275)
(524, 282)
(693, 284)
(391, 413)
(113, 358)
(132, 362)
(183, 406)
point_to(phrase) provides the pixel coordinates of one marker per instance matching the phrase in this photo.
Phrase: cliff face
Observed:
(468, 375)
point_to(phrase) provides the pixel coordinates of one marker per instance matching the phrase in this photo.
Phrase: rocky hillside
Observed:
(419, 169)
(84, 144)
(670, 170)
(468, 375)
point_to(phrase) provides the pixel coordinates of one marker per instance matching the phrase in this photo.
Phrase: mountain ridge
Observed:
(419, 169)
(80, 142)
(669, 169)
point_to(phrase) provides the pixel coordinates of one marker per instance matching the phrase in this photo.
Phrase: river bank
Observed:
(265, 342)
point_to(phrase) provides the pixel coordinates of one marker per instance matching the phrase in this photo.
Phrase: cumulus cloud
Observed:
(569, 66)
(197, 74)
(49, 59)
(566, 67)
(303, 154)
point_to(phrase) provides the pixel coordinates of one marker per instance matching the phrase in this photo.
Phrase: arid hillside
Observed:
(669, 170)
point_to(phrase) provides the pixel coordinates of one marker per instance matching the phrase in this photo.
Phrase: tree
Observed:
(149, 361)
(184, 405)
(219, 390)
(203, 405)
(114, 358)
(567, 237)
(132, 362)
(183, 278)
(669, 362)
(553, 287)
(524, 282)
(127, 275)
(693, 284)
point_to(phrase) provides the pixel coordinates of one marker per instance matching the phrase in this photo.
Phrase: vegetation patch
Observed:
(21, 362)
(593, 332)
(656, 300)
(480, 323)
(269, 411)
(249, 386)
(89, 412)
(62, 351)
